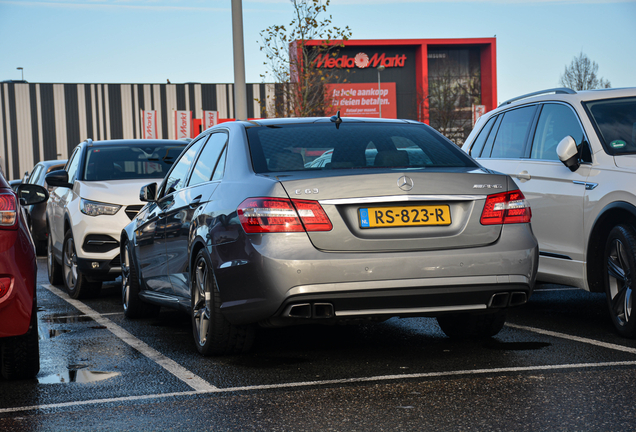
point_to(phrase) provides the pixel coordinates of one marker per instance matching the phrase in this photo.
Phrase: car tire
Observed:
(213, 333)
(20, 355)
(467, 325)
(620, 277)
(133, 306)
(41, 247)
(54, 269)
(76, 283)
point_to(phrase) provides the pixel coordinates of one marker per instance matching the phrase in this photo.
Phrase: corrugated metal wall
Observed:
(41, 121)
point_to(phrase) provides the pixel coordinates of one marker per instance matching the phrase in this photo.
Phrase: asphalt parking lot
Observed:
(557, 365)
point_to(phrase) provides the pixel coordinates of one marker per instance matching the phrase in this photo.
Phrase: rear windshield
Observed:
(615, 119)
(322, 146)
(130, 161)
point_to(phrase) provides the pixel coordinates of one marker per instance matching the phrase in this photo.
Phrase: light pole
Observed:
(22, 70)
(380, 69)
(240, 88)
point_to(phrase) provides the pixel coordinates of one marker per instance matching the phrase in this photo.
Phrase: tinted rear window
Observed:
(130, 161)
(322, 146)
(615, 119)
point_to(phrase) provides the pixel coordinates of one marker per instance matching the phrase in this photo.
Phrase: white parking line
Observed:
(203, 387)
(322, 383)
(192, 380)
(574, 338)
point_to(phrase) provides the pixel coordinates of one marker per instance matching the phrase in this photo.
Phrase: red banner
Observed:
(210, 118)
(361, 99)
(149, 124)
(183, 124)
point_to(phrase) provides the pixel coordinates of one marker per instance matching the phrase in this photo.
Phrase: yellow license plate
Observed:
(385, 217)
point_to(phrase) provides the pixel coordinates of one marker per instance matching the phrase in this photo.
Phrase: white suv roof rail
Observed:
(559, 90)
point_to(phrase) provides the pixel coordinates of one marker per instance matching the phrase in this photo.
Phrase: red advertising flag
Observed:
(183, 124)
(149, 123)
(210, 118)
(361, 100)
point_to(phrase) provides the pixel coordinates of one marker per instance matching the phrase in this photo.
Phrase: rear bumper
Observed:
(281, 271)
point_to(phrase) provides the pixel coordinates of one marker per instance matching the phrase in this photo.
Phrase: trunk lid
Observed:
(397, 204)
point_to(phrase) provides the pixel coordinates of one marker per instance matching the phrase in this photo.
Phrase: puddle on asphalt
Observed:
(65, 318)
(83, 376)
(515, 346)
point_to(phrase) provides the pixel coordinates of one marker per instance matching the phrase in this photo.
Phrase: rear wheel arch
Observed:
(614, 214)
(197, 245)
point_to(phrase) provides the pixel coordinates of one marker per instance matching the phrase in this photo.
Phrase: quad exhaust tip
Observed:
(502, 300)
(309, 311)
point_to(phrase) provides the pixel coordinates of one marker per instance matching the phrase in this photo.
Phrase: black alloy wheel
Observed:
(134, 307)
(213, 333)
(620, 273)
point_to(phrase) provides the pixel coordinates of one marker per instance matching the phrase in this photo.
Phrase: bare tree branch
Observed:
(582, 75)
(451, 95)
(292, 61)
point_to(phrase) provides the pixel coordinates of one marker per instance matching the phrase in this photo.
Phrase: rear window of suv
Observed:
(322, 146)
(615, 121)
(129, 162)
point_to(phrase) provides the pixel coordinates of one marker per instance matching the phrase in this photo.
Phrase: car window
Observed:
(478, 145)
(73, 165)
(288, 147)
(177, 178)
(513, 133)
(130, 161)
(208, 158)
(35, 174)
(220, 167)
(485, 153)
(615, 119)
(555, 123)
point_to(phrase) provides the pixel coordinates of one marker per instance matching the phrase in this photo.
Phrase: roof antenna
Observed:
(336, 119)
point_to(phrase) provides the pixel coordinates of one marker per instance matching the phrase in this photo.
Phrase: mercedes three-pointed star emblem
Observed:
(405, 183)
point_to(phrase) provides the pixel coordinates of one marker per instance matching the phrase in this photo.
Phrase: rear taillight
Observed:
(8, 209)
(261, 215)
(506, 208)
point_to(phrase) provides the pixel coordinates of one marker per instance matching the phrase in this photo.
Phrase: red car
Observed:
(19, 351)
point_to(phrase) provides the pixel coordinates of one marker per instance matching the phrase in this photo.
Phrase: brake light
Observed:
(8, 209)
(260, 215)
(506, 208)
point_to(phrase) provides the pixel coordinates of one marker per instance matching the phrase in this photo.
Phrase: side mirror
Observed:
(568, 153)
(148, 193)
(58, 178)
(31, 194)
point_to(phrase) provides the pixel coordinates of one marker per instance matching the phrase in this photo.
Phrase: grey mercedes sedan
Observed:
(395, 221)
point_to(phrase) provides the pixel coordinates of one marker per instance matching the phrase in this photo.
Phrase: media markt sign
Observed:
(361, 60)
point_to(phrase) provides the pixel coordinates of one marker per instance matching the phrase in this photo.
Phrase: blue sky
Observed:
(149, 41)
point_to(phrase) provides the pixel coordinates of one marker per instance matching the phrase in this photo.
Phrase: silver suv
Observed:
(573, 155)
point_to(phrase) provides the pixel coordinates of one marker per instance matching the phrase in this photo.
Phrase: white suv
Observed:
(96, 196)
(573, 155)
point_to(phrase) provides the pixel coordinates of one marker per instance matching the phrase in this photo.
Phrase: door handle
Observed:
(523, 175)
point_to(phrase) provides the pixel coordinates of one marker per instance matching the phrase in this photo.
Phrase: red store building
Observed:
(443, 82)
